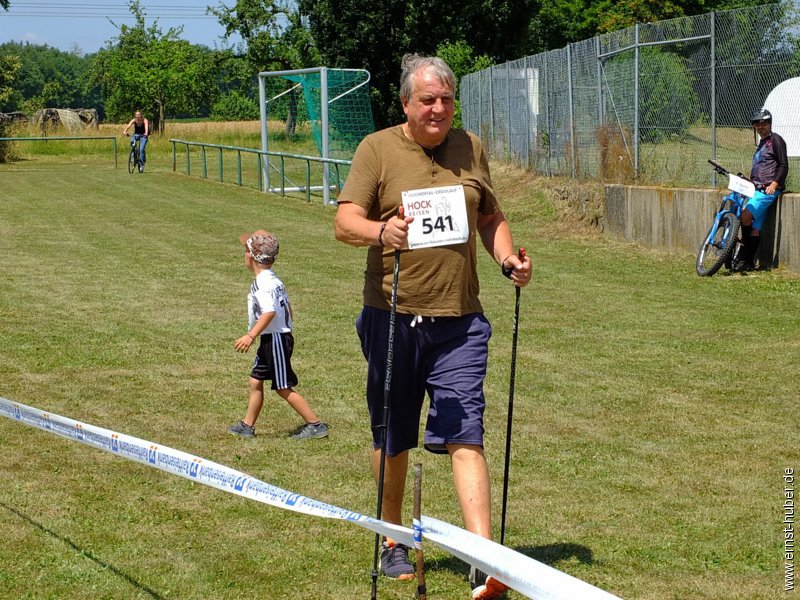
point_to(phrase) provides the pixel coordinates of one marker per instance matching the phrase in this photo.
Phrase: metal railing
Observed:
(263, 165)
(66, 137)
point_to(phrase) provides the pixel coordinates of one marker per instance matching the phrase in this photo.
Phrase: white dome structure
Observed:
(784, 104)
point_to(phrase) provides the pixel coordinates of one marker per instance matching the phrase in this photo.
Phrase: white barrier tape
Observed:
(524, 574)
(194, 468)
(520, 572)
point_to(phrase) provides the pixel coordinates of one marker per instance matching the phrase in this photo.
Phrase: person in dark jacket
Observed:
(770, 167)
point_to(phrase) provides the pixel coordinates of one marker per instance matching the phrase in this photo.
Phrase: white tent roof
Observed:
(784, 104)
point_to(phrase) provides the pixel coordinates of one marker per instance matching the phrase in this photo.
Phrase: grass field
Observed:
(655, 411)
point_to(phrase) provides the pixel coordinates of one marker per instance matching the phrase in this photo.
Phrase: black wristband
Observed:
(507, 271)
(380, 234)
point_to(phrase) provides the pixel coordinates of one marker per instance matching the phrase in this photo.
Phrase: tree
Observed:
(4, 4)
(277, 39)
(63, 74)
(559, 22)
(9, 66)
(155, 72)
(460, 58)
(274, 32)
(351, 34)
(235, 106)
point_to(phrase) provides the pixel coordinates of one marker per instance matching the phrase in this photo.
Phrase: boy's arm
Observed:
(243, 343)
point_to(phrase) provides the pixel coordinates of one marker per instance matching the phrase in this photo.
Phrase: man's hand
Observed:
(395, 235)
(771, 188)
(521, 269)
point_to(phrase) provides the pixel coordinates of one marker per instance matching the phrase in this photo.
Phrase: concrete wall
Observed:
(678, 220)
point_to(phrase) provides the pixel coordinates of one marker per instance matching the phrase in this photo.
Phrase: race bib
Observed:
(742, 186)
(440, 216)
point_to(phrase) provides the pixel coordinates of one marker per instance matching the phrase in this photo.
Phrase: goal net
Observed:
(333, 104)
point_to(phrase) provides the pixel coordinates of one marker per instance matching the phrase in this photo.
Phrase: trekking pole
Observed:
(387, 385)
(510, 408)
(422, 592)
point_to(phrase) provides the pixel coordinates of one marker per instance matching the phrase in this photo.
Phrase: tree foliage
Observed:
(671, 103)
(462, 61)
(10, 64)
(274, 31)
(234, 106)
(350, 35)
(559, 22)
(157, 73)
(49, 78)
(277, 39)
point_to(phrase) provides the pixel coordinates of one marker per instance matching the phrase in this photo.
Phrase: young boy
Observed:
(270, 320)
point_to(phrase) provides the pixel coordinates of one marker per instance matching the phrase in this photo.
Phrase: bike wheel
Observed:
(718, 245)
(131, 161)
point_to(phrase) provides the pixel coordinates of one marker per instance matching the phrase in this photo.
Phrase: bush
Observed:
(668, 101)
(6, 148)
(234, 106)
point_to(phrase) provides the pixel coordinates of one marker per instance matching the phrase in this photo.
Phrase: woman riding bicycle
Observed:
(141, 129)
(770, 167)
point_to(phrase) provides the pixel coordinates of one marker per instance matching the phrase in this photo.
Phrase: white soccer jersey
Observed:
(268, 294)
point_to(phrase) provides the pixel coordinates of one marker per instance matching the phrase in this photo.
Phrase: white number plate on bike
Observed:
(741, 186)
(440, 216)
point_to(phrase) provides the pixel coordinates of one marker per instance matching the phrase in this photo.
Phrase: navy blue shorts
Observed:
(443, 356)
(273, 360)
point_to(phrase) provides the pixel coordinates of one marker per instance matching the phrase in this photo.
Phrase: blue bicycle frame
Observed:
(721, 244)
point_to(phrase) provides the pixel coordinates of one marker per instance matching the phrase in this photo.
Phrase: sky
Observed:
(85, 24)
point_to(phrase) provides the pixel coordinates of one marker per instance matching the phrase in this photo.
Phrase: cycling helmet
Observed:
(762, 114)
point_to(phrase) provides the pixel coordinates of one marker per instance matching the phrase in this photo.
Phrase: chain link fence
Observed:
(648, 104)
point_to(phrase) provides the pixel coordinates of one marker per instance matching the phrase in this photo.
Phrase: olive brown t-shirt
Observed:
(436, 282)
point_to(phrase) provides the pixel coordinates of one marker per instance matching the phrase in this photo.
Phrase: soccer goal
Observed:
(336, 105)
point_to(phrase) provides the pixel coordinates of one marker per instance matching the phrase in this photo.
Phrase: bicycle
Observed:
(134, 158)
(722, 244)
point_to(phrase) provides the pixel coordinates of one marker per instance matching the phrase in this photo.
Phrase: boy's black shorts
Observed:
(273, 360)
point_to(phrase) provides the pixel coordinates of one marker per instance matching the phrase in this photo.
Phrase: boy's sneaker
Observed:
(485, 587)
(309, 431)
(394, 561)
(242, 430)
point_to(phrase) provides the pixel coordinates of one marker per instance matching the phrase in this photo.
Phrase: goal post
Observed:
(334, 101)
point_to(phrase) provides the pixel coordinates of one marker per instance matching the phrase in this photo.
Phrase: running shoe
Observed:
(394, 561)
(309, 431)
(242, 430)
(485, 587)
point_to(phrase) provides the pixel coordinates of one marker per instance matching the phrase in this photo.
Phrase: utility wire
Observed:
(102, 10)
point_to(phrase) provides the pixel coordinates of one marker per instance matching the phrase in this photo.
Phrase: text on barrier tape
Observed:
(524, 574)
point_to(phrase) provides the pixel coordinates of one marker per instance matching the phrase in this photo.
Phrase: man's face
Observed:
(429, 110)
(762, 128)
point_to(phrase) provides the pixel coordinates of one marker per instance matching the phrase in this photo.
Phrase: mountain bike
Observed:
(722, 243)
(134, 158)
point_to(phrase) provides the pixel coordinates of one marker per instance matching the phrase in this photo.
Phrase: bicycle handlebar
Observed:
(723, 171)
(718, 167)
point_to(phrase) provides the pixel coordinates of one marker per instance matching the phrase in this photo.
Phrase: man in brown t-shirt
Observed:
(441, 338)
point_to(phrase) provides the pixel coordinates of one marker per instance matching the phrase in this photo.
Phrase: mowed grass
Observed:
(655, 411)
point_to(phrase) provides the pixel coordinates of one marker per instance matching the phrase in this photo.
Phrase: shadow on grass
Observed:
(86, 553)
(550, 555)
